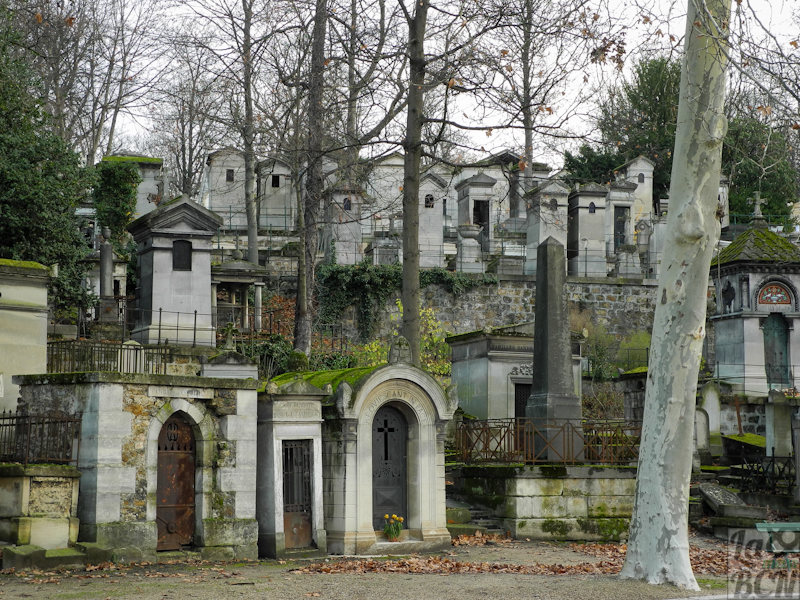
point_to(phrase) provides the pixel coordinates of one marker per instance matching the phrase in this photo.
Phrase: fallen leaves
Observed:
(480, 539)
(445, 566)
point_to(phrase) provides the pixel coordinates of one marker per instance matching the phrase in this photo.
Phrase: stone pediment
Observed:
(434, 178)
(300, 387)
(179, 216)
(481, 180)
(591, 189)
(551, 186)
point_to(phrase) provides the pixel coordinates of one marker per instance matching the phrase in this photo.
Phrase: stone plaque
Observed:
(717, 495)
(296, 410)
(168, 391)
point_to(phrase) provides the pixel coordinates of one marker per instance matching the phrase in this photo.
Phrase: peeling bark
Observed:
(658, 549)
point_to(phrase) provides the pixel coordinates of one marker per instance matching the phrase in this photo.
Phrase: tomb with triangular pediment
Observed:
(173, 292)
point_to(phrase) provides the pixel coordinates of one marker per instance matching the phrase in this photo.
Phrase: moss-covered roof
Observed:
(322, 378)
(22, 264)
(749, 438)
(136, 159)
(759, 245)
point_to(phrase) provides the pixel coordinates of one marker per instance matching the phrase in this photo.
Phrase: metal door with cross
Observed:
(776, 351)
(297, 493)
(389, 441)
(175, 495)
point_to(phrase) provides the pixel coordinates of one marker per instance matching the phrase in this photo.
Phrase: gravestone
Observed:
(702, 438)
(710, 402)
(779, 424)
(716, 496)
(552, 391)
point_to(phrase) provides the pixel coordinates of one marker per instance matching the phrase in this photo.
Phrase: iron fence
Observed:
(541, 441)
(81, 356)
(30, 439)
(766, 474)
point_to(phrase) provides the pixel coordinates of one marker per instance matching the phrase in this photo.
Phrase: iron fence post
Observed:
(194, 339)
(159, 327)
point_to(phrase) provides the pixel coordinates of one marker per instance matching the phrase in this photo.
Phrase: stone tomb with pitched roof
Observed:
(756, 342)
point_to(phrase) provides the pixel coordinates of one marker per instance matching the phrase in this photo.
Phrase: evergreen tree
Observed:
(41, 181)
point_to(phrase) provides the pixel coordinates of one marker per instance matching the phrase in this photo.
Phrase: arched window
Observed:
(347, 204)
(641, 177)
(592, 208)
(429, 201)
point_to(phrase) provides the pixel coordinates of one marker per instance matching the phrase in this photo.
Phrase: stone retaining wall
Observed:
(554, 502)
(623, 307)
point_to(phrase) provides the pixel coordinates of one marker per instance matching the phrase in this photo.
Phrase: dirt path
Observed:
(271, 579)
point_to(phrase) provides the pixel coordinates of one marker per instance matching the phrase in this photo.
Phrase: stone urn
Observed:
(469, 231)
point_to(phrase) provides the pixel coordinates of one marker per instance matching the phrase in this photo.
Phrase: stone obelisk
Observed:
(552, 399)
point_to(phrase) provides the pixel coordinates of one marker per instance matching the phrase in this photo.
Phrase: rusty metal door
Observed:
(297, 493)
(389, 440)
(175, 495)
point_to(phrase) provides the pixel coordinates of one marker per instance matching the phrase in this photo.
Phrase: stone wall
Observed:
(554, 502)
(623, 307)
(753, 415)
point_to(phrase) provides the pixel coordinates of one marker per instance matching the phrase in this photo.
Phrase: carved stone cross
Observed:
(756, 202)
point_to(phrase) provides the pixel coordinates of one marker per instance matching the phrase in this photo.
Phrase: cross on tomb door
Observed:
(385, 430)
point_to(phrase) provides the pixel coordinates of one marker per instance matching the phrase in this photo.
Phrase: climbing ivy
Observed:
(368, 288)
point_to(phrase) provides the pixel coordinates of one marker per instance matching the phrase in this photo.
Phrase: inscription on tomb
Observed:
(296, 411)
(168, 391)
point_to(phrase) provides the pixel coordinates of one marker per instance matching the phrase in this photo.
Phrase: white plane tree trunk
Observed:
(658, 548)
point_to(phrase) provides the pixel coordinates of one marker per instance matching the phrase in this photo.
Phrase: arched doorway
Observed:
(175, 494)
(776, 351)
(389, 449)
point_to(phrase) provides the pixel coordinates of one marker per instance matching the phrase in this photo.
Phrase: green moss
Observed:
(322, 378)
(636, 370)
(522, 524)
(759, 244)
(553, 471)
(135, 159)
(22, 264)
(606, 529)
(714, 468)
(556, 527)
(749, 438)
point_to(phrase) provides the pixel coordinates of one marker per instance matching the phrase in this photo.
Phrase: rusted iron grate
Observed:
(541, 441)
(80, 356)
(766, 474)
(37, 439)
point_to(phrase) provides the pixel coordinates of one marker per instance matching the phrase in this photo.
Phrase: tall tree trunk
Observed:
(411, 168)
(248, 136)
(314, 181)
(527, 99)
(658, 550)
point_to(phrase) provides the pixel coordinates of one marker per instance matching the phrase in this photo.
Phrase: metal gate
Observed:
(389, 435)
(175, 495)
(297, 493)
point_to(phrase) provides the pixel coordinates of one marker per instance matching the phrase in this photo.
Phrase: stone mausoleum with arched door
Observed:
(383, 433)
(756, 343)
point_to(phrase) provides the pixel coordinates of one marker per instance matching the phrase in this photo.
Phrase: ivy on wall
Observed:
(368, 288)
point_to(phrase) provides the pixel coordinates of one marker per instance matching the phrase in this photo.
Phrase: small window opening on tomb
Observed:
(276, 181)
(347, 204)
(641, 177)
(181, 255)
(592, 208)
(429, 201)
(229, 175)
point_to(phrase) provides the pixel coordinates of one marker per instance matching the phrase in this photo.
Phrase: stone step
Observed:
(36, 557)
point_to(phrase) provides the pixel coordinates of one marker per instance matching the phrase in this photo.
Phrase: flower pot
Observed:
(469, 231)
(394, 539)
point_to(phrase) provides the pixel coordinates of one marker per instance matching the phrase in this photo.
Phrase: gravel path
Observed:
(270, 579)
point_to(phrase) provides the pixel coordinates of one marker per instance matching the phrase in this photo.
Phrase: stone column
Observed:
(257, 309)
(245, 308)
(553, 396)
(108, 304)
(779, 424)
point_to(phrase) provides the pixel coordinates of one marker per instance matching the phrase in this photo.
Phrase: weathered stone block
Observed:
(523, 486)
(610, 506)
(228, 532)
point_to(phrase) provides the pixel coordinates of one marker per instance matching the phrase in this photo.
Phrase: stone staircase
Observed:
(464, 519)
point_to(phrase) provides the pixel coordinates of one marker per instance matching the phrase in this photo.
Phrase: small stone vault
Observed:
(166, 461)
(382, 452)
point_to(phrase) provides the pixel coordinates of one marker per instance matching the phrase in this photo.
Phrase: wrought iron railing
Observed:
(80, 356)
(30, 439)
(539, 441)
(766, 474)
